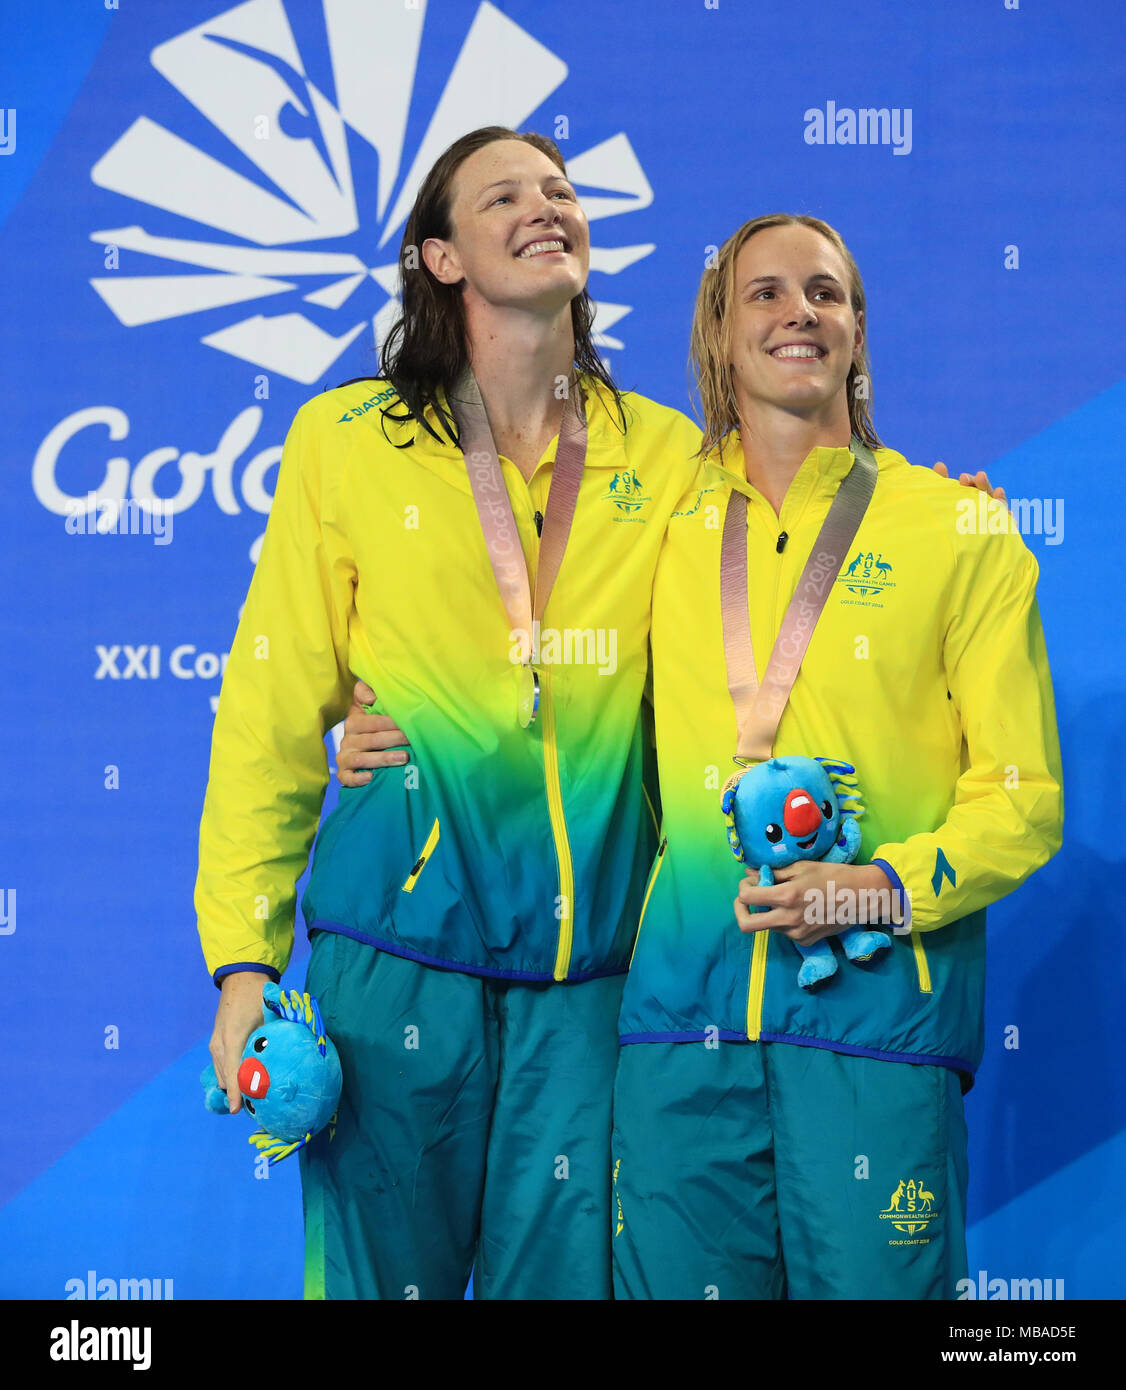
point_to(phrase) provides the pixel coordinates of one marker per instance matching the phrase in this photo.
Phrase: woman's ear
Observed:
(442, 261)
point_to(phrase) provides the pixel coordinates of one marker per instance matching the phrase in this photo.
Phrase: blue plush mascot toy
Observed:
(786, 809)
(289, 1075)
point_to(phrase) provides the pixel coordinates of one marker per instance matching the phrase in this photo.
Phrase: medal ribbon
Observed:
(498, 524)
(758, 709)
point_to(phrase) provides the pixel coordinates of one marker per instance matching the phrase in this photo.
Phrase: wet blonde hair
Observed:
(710, 353)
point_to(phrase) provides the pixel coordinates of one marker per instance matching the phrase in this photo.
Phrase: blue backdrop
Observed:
(201, 205)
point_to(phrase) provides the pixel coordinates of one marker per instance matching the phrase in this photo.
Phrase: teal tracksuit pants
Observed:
(473, 1133)
(767, 1170)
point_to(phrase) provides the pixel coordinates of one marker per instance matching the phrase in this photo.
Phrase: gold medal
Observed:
(529, 702)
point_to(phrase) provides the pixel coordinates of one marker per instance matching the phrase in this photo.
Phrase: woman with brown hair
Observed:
(474, 535)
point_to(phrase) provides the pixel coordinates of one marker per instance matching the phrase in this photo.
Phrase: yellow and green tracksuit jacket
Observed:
(498, 850)
(927, 671)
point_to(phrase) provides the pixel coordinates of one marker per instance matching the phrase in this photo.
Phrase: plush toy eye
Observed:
(260, 1044)
(773, 833)
(827, 809)
(249, 1106)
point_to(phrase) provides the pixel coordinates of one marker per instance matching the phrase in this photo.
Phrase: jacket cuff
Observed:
(900, 897)
(244, 965)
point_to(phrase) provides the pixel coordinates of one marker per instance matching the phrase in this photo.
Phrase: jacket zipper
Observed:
(566, 904)
(652, 884)
(566, 900)
(756, 984)
(420, 862)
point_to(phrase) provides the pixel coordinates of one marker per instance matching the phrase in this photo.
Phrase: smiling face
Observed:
(794, 335)
(519, 237)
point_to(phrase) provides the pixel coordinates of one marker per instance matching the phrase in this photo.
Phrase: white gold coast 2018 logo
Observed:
(328, 169)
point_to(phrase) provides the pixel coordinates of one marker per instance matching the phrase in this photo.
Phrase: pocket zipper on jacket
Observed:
(652, 884)
(921, 963)
(756, 987)
(420, 862)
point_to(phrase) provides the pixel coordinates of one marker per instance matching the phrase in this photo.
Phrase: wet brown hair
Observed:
(426, 350)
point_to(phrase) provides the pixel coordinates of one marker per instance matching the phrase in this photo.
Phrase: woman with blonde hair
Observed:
(817, 597)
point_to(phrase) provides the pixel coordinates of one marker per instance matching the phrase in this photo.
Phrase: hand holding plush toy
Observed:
(786, 809)
(289, 1075)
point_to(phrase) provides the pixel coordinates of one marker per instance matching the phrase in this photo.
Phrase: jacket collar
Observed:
(605, 439)
(823, 467)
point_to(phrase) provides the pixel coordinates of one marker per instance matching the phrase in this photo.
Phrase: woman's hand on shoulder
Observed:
(980, 481)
